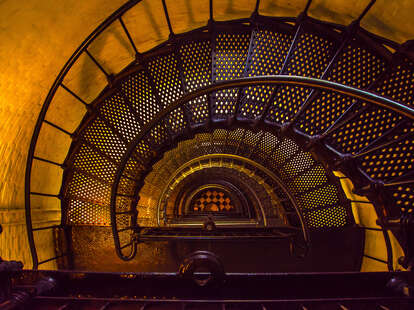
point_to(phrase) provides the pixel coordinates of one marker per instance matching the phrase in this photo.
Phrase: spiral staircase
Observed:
(263, 141)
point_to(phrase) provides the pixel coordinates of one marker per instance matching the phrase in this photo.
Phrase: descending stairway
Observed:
(205, 93)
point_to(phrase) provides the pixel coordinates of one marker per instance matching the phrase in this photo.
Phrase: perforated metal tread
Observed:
(140, 94)
(102, 144)
(306, 179)
(195, 58)
(390, 157)
(309, 55)
(268, 50)
(398, 83)
(166, 82)
(195, 63)
(230, 49)
(392, 163)
(357, 65)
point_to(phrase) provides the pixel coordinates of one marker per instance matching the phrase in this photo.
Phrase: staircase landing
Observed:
(93, 250)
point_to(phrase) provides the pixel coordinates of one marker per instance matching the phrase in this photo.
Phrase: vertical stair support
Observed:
(211, 10)
(156, 95)
(268, 104)
(185, 108)
(167, 17)
(109, 77)
(256, 7)
(404, 225)
(212, 32)
(253, 26)
(87, 106)
(128, 36)
(121, 91)
(308, 4)
(50, 96)
(59, 128)
(349, 33)
(367, 8)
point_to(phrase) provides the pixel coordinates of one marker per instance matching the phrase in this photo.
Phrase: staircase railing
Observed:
(163, 116)
(83, 50)
(58, 83)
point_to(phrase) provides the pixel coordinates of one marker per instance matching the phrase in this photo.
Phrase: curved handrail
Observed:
(248, 161)
(246, 82)
(117, 15)
(58, 81)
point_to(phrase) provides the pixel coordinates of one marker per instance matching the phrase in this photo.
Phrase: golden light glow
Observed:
(365, 216)
(37, 37)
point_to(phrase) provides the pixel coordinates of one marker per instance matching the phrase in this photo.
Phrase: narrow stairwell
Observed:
(303, 98)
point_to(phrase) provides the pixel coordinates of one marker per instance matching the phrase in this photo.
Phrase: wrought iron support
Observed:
(405, 228)
(49, 161)
(211, 10)
(21, 298)
(386, 136)
(367, 8)
(53, 258)
(308, 4)
(59, 128)
(269, 101)
(107, 75)
(184, 289)
(383, 145)
(128, 35)
(77, 97)
(167, 17)
(406, 178)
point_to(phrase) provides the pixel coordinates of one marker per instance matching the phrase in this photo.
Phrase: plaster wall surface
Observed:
(37, 37)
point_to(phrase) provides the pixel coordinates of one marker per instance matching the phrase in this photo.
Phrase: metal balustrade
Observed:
(352, 118)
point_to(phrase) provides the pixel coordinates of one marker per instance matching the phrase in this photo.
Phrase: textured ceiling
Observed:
(37, 37)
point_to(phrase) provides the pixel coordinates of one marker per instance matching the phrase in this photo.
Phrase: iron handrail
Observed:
(246, 160)
(239, 83)
(117, 15)
(57, 83)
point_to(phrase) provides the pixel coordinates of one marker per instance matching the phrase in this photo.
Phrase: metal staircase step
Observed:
(310, 54)
(219, 234)
(229, 52)
(223, 51)
(268, 50)
(195, 68)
